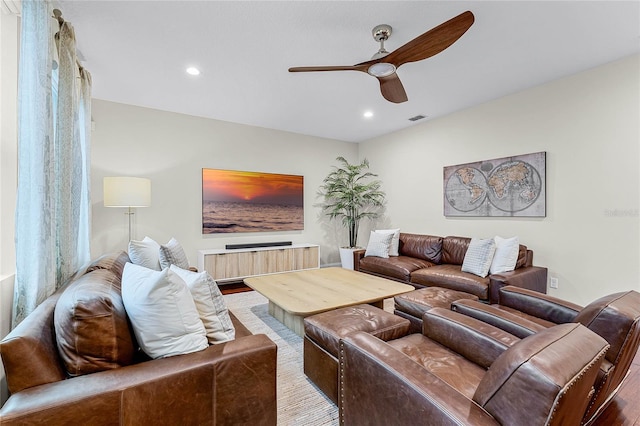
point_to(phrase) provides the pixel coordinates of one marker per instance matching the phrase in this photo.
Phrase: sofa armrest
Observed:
(229, 383)
(539, 305)
(357, 257)
(529, 277)
(379, 382)
(477, 341)
(492, 314)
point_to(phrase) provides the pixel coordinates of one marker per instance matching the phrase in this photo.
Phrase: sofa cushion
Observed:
(379, 244)
(113, 262)
(454, 249)
(210, 304)
(417, 302)
(425, 247)
(145, 252)
(506, 255)
(451, 276)
(399, 267)
(395, 241)
(479, 255)
(450, 367)
(522, 257)
(92, 330)
(163, 314)
(172, 253)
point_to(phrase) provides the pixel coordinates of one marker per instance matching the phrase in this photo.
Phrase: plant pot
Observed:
(346, 256)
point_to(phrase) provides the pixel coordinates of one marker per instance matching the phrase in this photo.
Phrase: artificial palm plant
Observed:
(351, 194)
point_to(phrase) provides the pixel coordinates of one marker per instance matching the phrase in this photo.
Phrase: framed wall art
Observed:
(510, 186)
(243, 201)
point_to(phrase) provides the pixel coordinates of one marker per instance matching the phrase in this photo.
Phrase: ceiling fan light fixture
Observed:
(381, 69)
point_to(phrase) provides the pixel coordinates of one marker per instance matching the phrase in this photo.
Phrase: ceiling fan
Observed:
(383, 65)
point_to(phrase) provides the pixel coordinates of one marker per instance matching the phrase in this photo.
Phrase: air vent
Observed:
(417, 117)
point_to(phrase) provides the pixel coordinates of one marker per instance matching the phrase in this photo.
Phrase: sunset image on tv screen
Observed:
(238, 201)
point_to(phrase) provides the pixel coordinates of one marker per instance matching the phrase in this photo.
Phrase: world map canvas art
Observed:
(510, 186)
(239, 201)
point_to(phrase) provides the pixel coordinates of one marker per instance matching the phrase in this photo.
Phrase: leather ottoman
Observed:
(414, 304)
(322, 339)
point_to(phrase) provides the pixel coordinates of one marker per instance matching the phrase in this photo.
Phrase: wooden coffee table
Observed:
(295, 295)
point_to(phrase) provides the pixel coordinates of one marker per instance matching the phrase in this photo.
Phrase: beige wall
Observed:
(171, 149)
(588, 124)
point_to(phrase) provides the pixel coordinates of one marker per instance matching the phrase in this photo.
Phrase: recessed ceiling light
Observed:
(193, 71)
(368, 114)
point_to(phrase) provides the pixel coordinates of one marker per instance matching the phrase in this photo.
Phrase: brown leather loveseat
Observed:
(460, 370)
(432, 261)
(226, 384)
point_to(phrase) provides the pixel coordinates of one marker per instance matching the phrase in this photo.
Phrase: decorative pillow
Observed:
(395, 241)
(210, 304)
(113, 262)
(163, 314)
(172, 253)
(379, 244)
(92, 329)
(478, 257)
(506, 255)
(145, 253)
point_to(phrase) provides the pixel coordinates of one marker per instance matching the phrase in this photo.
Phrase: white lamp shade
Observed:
(127, 192)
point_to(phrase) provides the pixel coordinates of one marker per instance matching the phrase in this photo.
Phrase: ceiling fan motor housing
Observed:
(381, 32)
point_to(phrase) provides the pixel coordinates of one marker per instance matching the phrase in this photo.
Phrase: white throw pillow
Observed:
(162, 312)
(379, 244)
(145, 253)
(478, 257)
(506, 256)
(395, 241)
(172, 253)
(210, 304)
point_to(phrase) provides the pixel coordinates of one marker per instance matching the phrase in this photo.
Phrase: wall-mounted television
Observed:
(240, 201)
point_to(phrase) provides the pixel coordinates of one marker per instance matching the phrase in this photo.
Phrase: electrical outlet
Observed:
(553, 282)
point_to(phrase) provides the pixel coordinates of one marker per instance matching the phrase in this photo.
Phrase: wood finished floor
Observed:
(624, 410)
(625, 407)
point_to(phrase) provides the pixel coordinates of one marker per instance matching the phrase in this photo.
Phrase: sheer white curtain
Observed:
(53, 205)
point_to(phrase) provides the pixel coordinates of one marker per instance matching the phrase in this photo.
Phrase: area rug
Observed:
(299, 401)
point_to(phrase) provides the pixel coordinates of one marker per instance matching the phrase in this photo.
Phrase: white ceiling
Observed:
(137, 53)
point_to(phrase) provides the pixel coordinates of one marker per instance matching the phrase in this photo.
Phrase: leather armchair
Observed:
(460, 370)
(615, 317)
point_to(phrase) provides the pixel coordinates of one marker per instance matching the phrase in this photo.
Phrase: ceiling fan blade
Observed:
(432, 42)
(329, 68)
(392, 89)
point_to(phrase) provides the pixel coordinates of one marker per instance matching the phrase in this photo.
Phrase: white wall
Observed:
(171, 149)
(589, 125)
(9, 29)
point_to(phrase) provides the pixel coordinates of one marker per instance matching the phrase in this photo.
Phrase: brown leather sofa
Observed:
(432, 261)
(463, 371)
(615, 317)
(226, 384)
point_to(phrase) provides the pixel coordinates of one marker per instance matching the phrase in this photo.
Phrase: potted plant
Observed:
(351, 194)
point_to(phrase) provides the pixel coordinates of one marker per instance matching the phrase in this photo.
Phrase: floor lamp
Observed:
(127, 192)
